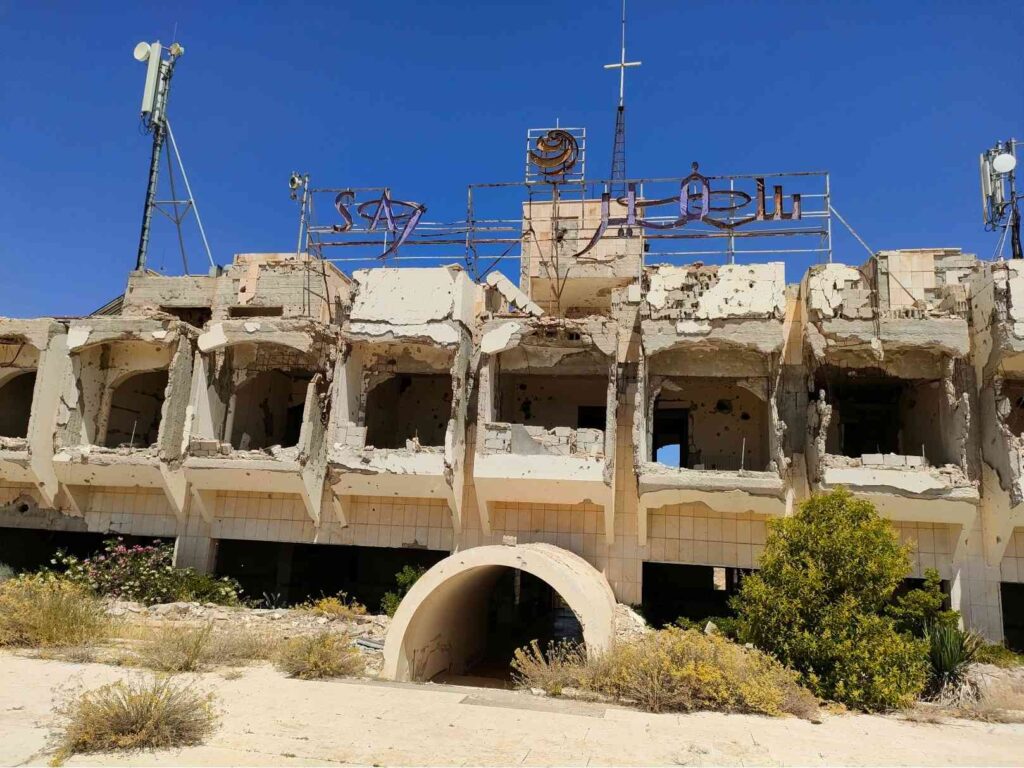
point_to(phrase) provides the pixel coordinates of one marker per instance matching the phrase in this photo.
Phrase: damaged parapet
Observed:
(259, 410)
(997, 328)
(571, 262)
(285, 285)
(33, 361)
(706, 418)
(889, 378)
(122, 407)
(402, 388)
(546, 415)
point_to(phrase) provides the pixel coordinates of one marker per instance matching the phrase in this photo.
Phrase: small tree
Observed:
(920, 610)
(404, 580)
(819, 601)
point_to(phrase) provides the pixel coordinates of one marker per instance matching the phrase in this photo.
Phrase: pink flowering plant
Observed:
(144, 573)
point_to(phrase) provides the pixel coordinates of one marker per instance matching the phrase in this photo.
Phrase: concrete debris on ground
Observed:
(366, 631)
(629, 625)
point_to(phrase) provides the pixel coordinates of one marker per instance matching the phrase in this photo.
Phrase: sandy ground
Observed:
(270, 720)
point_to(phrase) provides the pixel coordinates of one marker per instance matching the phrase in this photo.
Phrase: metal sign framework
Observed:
(732, 217)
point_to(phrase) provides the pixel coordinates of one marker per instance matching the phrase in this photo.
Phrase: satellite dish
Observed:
(141, 51)
(1004, 163)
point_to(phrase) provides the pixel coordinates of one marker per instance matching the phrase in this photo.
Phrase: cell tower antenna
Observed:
(618, 174)
(154, 117)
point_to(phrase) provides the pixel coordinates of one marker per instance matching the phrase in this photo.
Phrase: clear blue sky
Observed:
(895, 99)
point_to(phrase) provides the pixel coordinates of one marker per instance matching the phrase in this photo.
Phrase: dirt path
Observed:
(270, 720)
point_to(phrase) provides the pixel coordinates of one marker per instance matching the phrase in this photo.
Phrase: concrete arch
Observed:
(441, 622)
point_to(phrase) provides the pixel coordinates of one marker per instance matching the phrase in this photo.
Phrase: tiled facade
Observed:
(611, 504)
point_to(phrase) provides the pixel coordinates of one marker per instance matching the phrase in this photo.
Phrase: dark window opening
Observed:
(1014, 392)
(16, 404)
(268, 410)
(1012, 598)
(408, 406)
(299, 572)
(670, 442)
(873, 413)
(591, 417)
(694, 592)
(135, 410)
(197, 317)
(29, 549)
(534, 400)
(255, 311)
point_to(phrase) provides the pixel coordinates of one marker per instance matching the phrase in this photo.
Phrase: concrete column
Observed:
(199, 552)
(974, 588)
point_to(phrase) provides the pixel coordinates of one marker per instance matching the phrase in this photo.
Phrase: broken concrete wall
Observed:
(253, 285)
(405, 302)
(727, 420)
(732, 291)
(562, 282)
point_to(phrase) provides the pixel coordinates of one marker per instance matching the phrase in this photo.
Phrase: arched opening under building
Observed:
(267, 409)
(409, 406)
(16, 404)
(136, 405)
(464, 619)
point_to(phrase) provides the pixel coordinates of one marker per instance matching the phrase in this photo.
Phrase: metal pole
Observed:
(157, 123)
(191, 197)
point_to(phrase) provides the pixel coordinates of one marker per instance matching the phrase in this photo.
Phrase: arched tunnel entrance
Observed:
(468, 613)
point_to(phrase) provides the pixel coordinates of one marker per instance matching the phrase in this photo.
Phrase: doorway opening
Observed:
(136, 406)
(16, 404)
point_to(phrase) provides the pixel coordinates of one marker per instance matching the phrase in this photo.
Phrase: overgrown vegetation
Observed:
(6, 572)
(41, 611)
(314, 657)
(819, 604)
(193, 649)
(339, 606)
(145, 574)
(725, 625)
(135, 714)
(672, 669)
(921, 608)
(404, 580)
(1000, 655)
(951, 650)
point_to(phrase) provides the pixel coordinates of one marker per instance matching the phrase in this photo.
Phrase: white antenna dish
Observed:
(141, 52)
(1004, 163)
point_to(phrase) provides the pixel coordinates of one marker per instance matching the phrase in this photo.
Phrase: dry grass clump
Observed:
(134, 714)
(339, 606)
(191, 649)
(563, 665)
(319, 656)
(673, 670)
(45, 612)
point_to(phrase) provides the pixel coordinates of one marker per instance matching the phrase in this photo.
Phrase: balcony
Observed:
(33, 361)
(123, 407)
(259, 411)
(547, 414)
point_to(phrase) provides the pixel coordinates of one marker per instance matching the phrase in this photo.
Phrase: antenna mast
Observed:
(618, 174)
(154, 116)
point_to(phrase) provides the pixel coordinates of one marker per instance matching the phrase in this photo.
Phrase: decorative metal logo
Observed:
(555, 154)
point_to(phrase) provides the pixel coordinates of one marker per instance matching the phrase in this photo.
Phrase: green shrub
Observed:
(920, 608)
(818, 604)
(42, 611)
(145, 574)
(951, 651)
(314, 657)
(6, 572)
(404, 580)
(135, 714)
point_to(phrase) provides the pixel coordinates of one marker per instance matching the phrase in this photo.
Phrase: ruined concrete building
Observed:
(608, 430)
